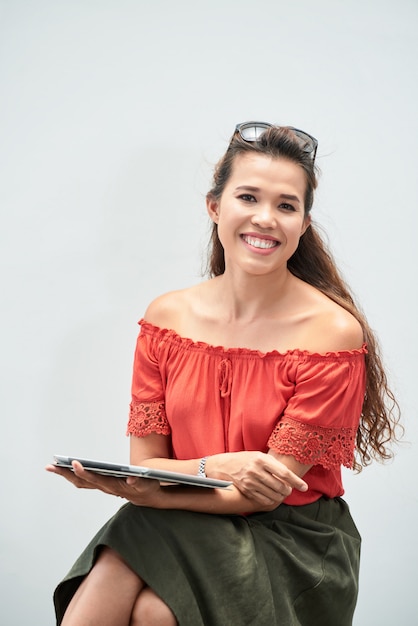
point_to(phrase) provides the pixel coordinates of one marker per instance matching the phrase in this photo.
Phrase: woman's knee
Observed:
(149, 610)
(111, 570)
(110, 557)
(107, 594)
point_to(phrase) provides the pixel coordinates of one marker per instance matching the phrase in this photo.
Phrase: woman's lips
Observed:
(261, 243)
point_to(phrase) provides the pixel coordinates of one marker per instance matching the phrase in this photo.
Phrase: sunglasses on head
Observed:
(252, 131)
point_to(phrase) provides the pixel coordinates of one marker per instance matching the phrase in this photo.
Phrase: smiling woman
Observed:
(266, 375)
(262, 206)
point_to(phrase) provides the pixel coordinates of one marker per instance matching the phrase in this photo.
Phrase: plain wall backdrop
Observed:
(112, 115)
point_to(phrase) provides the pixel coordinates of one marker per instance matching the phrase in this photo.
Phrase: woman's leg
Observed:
(150, 610)
(107, 594)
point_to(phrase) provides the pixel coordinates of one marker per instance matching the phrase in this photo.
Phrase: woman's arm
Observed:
(146, 492)
(261, 481)
(154, 451)
(257, 475)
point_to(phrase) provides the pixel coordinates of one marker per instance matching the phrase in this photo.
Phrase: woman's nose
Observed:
(264, 216)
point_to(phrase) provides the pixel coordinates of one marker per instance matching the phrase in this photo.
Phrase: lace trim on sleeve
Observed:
(314, 445)
(146, 418)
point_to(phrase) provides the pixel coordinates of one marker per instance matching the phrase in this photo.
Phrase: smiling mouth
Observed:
(260, 243)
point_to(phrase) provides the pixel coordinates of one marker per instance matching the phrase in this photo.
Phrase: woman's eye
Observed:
(247, 197)
(287, 207)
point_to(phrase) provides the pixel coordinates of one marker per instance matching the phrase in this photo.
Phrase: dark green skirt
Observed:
(292, 566)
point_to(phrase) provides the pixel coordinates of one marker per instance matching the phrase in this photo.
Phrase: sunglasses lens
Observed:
(308, 143)
(252, 131)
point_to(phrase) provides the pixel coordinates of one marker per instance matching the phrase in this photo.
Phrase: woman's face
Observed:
(260, 214)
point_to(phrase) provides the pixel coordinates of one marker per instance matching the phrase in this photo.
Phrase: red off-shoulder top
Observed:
(211, 399)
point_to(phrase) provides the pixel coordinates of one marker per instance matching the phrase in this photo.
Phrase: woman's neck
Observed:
(243, 297)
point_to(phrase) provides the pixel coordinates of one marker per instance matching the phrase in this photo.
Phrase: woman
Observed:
(266, 375)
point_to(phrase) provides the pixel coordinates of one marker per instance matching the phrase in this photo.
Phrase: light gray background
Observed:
(112, 115)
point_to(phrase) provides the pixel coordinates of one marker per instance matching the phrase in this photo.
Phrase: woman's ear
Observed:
(306, 223)
(212, 206)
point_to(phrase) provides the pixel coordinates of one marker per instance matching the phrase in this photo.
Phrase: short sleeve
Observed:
(147, 409)
(320, 422)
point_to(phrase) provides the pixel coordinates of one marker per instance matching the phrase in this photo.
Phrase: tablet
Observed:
(121, 470)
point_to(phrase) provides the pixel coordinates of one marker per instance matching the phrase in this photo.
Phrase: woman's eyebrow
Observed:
(247, 187)
(288, 196)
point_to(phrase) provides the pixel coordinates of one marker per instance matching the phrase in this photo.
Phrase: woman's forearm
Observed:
(260, 483)
(203, 500)
(187, 466)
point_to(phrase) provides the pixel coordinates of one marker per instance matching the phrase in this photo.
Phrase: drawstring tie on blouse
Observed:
(225, 377)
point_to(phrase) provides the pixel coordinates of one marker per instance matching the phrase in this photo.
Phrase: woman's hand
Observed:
(139, 491)
(258, 476)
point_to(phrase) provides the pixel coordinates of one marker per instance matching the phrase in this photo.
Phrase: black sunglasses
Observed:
(252, 131)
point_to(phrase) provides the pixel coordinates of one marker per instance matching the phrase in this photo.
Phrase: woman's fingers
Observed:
(136, 490)
(281, 472)
(267, 480)
(291, 479)
(265, 484)
(70, 476)
(92, 480)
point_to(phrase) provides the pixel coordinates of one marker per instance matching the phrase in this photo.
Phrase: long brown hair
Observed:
(313, 263)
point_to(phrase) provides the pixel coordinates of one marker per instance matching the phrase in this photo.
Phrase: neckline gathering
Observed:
(172, 335)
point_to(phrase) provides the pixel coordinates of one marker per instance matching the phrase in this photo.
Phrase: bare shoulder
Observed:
(170, 309)
(330, 326)
(343, 331)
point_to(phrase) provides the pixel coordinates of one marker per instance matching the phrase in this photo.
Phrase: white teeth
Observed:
(259, 243)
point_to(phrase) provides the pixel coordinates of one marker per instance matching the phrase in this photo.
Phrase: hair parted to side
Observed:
(313, 263)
